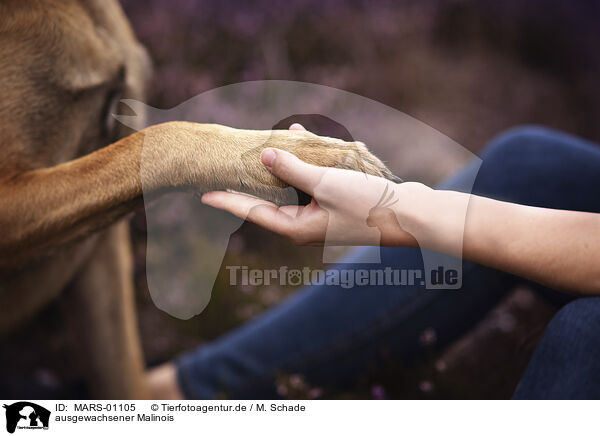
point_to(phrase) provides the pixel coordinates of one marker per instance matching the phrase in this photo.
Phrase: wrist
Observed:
(409, 213)
(172, 155)
(434, 218)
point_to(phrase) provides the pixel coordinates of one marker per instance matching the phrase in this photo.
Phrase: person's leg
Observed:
(327, 333)
(566, 363)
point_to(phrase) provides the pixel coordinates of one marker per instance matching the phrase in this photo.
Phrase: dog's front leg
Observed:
(101, 305)
(45, 208)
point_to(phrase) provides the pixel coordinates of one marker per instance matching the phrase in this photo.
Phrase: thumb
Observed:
(292, 170)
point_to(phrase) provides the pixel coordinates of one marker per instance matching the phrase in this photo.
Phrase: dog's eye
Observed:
(110, 107)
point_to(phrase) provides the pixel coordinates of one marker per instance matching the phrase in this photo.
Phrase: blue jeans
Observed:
(566, 363)
(329, 334)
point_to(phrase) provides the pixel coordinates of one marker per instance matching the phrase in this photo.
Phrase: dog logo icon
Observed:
(26, 415)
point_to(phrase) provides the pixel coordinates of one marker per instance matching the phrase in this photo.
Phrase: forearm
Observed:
(557, 248)
(50, 206)
(47, 207)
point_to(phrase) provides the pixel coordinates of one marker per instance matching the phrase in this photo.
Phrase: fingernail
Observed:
(205, 197)
(268, 156)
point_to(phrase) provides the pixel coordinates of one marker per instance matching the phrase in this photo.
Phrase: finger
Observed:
(238, 204)
(292, 170)
(297, 126)
(261, 212)
(291, 210)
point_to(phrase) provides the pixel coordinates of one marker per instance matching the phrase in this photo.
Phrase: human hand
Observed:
(347, 207)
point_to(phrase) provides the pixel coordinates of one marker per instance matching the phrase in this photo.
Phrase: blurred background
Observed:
(467, 68)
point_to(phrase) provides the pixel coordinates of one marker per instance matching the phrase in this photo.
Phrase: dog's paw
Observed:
(313, 149)
(336, 153)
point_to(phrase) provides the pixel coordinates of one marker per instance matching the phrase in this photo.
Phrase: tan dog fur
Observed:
(65, 184)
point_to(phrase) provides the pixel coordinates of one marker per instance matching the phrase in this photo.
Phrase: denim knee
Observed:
(525, 143)
(540, 167)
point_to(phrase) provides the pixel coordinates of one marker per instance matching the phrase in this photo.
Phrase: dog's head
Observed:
(64, 66)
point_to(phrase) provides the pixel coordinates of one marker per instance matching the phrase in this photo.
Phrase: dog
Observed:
(70, 175)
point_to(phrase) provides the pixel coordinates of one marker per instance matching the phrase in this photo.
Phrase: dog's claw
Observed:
(394, 178)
